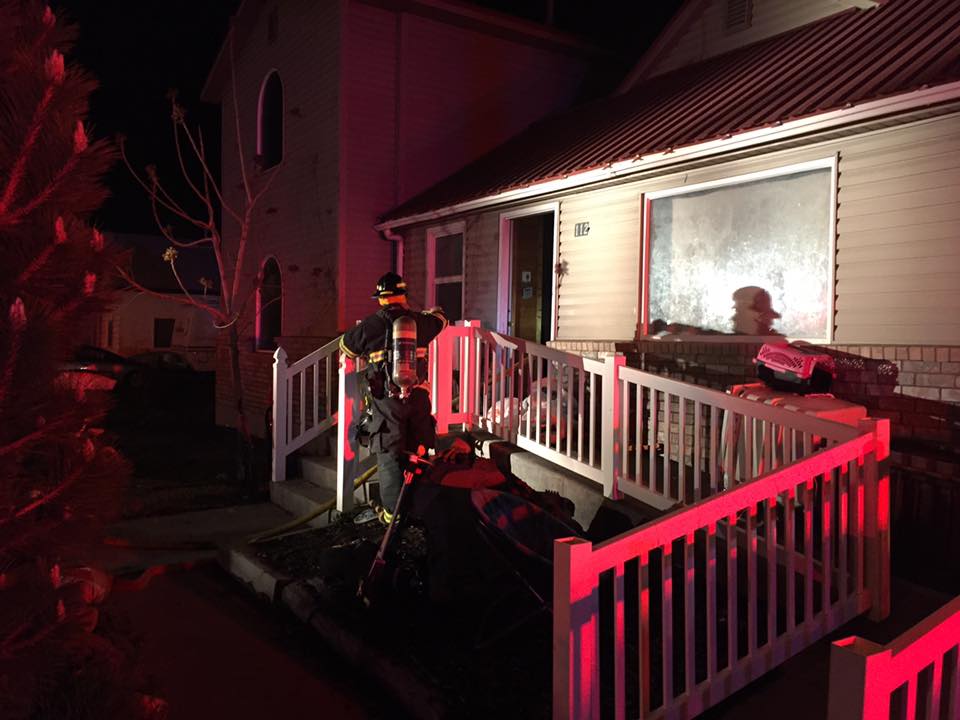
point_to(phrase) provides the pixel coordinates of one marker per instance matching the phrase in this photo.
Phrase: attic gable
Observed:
(703, 29)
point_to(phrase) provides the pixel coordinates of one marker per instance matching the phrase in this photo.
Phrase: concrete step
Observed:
(322, 471)
(300, 497)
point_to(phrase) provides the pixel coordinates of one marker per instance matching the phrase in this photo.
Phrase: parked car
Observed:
(95, 369)
(159, 382)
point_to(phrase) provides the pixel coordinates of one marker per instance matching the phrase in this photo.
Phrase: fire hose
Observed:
(304, 519)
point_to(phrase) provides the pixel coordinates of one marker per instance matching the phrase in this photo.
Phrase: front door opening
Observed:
(530, 314)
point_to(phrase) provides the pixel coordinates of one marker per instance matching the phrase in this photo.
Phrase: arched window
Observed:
(269, 307)
(270, 122)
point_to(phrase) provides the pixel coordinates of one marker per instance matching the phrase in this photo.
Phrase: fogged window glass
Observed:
(449, 256)
(746, 258)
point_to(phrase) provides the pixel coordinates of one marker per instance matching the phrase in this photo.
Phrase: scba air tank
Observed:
(404, 354)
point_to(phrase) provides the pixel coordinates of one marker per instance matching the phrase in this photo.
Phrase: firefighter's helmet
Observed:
(390, 285)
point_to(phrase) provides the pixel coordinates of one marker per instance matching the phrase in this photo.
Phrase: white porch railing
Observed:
(303, 401)
(915, 676)
(770, 494)
(673, 617)
(656, 439)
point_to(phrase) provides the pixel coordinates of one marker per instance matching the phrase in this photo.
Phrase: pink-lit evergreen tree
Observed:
(58, 479)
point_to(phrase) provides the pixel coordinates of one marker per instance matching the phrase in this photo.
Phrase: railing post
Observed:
(347, 409)
(442, 385)
(576, 632)
(877, 518)
(611, 431)
(468, 374)
(280, 409)
(854, 663)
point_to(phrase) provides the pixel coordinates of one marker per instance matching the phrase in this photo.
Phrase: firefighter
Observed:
(401, 416)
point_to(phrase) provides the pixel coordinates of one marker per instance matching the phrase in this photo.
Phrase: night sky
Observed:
(140, 49)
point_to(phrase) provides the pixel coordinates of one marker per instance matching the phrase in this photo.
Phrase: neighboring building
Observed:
(140, 322)
(806, 148)
(359, 105)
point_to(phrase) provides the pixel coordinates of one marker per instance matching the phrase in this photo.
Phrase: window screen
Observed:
(712, 253)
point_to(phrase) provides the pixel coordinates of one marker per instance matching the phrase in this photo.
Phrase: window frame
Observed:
(830, 162)
(257, 339)
(283, 135)
(439, 231)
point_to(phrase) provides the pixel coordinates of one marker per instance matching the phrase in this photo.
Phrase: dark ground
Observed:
(181, 460)
(211, 650)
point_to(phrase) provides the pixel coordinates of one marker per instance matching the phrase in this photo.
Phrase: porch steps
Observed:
(316, 486)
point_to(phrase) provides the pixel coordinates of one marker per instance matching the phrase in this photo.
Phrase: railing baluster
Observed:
(559, 415)
(697, 450)
(328, 383)
(667, 620)
(645, 667)
(748, 431)
(619, 664)
(303, 401)
(682, 449)
(316, 393)
(952, 700)
(711, 569)
(826, 544)
(569, 411)
(638, 439)
(856, 528)
(502, 394)
(535, 397)
(715, 474)
(753, 606)
(733, 620)
(581, 412)
(653, 438)
(806, 499)
(290, 408)
(592, 425)
(549, 403)
(911, 708)
(770, 532)
(732, 442)
(623, 420)
(936, 690)
(789, 547)
(667, 485)
(843, 509)
(689, 606)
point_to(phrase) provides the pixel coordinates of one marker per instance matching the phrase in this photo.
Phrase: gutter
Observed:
(896, 104)
(390, 236)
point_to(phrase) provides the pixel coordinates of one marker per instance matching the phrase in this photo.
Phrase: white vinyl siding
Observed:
(898, 245)
(599, 291)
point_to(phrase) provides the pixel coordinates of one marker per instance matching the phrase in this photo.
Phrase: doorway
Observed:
(527, 296)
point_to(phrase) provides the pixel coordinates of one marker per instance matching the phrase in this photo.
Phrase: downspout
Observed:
(390, 236)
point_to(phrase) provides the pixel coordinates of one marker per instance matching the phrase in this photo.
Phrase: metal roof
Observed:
(853, 57)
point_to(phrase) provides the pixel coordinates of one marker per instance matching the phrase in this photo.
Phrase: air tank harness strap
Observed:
(381, 355)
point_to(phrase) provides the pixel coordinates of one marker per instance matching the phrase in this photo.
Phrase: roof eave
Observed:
(893, 105)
